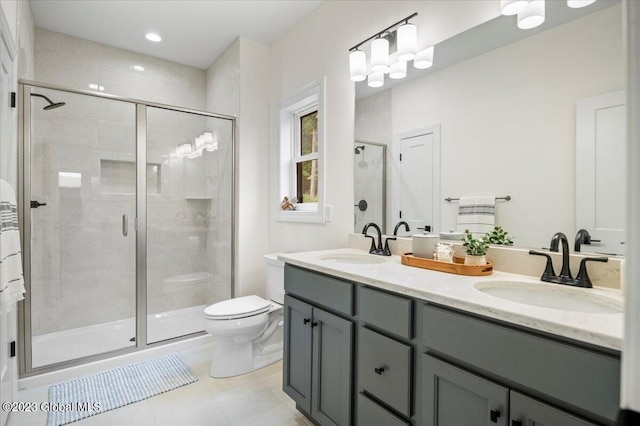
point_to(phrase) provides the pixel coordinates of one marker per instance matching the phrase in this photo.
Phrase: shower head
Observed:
(358, 148)
(52, 105)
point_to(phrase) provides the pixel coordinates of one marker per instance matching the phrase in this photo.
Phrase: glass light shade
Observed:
(186, 149)
(575, 4)
(532, 16)
(380, 54)
(376, 79)
(407, 42)
(513, 7)
(211, 141)
(358, 65)
(424, 58)
(398, 70)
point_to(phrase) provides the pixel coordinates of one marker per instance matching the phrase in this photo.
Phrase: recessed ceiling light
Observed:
(153, 37)
(137, 68)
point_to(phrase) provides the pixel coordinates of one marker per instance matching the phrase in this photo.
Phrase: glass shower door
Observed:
(189, 219)
(81, 185)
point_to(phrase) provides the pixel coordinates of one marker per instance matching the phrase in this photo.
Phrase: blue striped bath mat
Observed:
(80, 398)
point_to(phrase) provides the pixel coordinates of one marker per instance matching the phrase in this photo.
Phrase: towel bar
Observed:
(506, 198)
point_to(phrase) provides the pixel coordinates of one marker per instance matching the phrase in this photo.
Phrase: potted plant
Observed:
(476, 249)
(499, 237)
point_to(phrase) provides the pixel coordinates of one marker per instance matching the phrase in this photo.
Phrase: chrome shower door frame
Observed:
(140, 222)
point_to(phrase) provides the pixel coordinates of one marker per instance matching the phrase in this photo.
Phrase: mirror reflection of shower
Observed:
(52, 105)
(370, 165)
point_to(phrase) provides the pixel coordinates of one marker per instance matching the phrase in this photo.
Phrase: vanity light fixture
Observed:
(391, 49)
(153, 37)
(575, 4)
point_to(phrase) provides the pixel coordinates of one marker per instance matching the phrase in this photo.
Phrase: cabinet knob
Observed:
(516, 423)
(379, 370)
(306, 321)
(493, 415)
(313, 324)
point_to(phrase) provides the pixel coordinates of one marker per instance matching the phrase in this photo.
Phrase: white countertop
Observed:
(457, 291)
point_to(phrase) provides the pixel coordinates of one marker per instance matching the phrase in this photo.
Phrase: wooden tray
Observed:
(458, 267)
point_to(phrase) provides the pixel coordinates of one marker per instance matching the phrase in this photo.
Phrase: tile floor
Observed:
(249, 400)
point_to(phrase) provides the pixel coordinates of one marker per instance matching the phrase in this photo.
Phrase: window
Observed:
(301, 154)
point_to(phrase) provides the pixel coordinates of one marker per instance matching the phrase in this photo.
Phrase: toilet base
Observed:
(231, 360)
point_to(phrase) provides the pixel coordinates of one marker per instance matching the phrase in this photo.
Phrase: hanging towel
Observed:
(11, 281)
(477, 214)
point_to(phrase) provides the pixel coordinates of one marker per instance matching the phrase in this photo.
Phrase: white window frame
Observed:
(304, 101)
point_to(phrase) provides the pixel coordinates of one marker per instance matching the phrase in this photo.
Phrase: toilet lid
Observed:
(238, 307)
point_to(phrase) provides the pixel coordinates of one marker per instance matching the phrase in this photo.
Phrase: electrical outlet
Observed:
(328, 213)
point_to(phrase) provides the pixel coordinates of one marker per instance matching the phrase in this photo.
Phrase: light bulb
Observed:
(380, 54)
(358, 65)
(532, 16)
(398, 70)
(424, 58)
(575, 4)
(407, 42)
(376, 79)
(513, 7)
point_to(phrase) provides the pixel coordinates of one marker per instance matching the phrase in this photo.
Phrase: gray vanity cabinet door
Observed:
(526, 411)
(454, 397)
(297, 351)
(332, 361)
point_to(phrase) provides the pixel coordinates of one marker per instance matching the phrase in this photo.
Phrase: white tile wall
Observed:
(83, 268)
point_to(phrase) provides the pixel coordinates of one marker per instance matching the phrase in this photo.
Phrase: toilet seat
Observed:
(240, 307)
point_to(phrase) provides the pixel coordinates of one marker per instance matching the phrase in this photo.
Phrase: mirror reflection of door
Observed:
(369, 185)
(601, 170)
(417, 200)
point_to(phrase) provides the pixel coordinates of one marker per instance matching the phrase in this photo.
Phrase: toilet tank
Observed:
(275, 278)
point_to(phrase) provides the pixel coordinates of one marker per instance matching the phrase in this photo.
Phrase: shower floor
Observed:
(60, 346)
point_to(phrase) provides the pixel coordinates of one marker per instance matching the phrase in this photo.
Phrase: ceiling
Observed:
(193, 33)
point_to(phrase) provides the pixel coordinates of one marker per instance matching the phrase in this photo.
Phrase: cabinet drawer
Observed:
(384, 369)
(585, 381)
(371, 414)
(387, 311)
(322, 289)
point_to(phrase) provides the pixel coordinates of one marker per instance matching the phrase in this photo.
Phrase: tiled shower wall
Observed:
(83, 268)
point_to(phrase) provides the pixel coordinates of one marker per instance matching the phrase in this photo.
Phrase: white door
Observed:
(418, 178)
(7, 321)
(601, 171)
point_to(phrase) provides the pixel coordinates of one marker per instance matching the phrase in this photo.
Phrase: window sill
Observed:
(300, 216)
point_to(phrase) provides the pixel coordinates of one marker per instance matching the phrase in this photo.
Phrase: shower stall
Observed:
(127, 223)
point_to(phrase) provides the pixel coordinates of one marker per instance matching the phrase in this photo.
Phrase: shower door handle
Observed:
(125, 225)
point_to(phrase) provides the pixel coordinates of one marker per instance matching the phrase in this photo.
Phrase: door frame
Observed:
(435, 167)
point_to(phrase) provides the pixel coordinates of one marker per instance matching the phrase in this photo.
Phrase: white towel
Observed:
(11, 280)
(477, 214)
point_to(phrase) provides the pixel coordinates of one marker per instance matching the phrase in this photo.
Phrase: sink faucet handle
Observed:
(583, 279)
(386, 251)
(372, 249)
(548, 273)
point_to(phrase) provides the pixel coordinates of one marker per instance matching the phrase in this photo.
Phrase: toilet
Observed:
(248, 330)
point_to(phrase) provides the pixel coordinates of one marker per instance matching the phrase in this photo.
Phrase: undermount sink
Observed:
(554, 296)
(354, 258)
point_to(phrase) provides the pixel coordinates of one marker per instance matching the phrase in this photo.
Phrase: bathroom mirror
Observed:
(505, 102)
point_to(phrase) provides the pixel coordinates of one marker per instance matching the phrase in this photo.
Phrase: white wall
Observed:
(508, 121)
(318, 46)
(237, 84)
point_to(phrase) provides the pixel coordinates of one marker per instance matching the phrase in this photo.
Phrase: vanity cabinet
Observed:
(456, 397)
(318, 357)
(358, 355)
